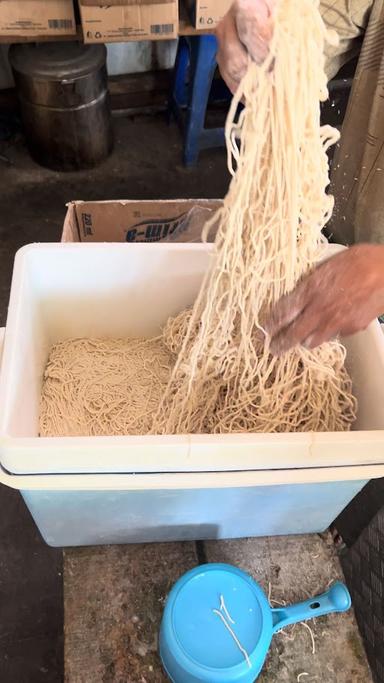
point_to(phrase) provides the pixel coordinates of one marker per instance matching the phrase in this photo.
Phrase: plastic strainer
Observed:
(217, 624)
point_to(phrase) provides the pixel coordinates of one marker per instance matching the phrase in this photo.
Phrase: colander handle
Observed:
(335, 599)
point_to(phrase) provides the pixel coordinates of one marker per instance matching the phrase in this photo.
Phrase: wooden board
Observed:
(114, 598)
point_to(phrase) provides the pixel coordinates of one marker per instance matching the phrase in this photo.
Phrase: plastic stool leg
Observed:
(178, 96)
(203, 65)
(181, 66)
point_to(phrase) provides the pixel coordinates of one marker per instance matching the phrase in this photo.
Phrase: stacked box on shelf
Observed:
(206, 14)
(122, 20)
(36, 18)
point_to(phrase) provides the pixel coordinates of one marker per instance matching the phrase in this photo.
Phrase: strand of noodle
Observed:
(234, 636)
(224, 609)
(302, 623)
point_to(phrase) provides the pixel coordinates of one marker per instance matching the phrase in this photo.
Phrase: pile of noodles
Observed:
(269, 235)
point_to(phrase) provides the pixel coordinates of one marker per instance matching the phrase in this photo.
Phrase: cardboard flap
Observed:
(121, 3)
(169, 220)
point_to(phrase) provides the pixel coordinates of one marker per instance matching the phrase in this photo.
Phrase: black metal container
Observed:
(64, 101)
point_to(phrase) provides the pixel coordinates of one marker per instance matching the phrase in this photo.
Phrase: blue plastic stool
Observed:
(191, 89)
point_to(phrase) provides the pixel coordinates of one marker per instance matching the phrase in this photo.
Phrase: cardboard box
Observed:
(121, 20)
(178, 220)
(207, 13)
(36, 18)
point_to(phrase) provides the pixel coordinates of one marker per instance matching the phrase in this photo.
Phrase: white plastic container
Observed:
(128, 489)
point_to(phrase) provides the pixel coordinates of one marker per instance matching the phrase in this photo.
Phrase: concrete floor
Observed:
(146, 164)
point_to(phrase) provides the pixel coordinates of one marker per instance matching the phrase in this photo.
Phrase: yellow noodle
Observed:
(269, 235)
(103, 387)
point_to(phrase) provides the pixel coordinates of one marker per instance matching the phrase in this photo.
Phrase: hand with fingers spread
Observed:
(246, 30)
(340, 297)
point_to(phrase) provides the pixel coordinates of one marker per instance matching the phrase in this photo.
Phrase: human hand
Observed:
(340, 297)
(245, 30)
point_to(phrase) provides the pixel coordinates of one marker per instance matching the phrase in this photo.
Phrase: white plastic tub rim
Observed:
(203, 461)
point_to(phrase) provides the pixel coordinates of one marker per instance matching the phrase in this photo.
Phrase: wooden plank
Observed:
(113, 601)
(292, 569)
(138, 91)
(114, 596)
(148, 81)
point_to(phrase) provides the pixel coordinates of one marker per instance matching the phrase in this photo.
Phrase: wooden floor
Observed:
(114, 597)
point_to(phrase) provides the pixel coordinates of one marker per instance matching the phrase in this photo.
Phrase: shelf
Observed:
(185, 29)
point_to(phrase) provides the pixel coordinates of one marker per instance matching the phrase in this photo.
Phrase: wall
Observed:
(145, 55)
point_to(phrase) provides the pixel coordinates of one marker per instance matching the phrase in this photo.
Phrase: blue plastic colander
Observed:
(217, 624)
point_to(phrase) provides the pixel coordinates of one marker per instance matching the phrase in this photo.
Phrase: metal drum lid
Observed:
(57, 61)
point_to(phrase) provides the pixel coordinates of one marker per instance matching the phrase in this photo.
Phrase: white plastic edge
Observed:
(102, 482)
(205, 480)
